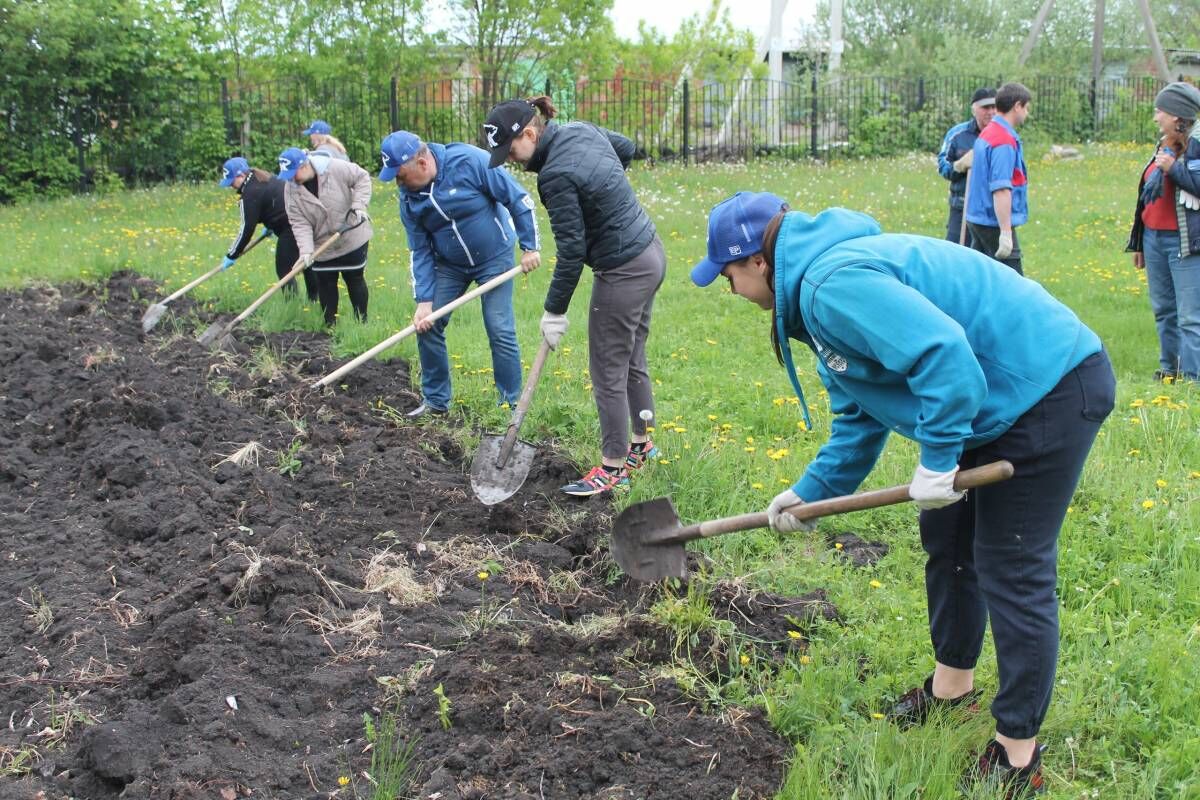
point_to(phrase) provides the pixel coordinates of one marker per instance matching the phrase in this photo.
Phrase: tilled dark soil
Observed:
(181, 625)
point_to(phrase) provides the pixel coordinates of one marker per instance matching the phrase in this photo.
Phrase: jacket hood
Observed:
(803, 239)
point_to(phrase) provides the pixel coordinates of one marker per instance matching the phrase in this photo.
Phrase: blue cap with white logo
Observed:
(395, 151)
(232, 168)
(291, 160)
(318, 126)
(735, 231)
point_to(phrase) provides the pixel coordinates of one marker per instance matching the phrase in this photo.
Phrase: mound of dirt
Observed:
(220, 584)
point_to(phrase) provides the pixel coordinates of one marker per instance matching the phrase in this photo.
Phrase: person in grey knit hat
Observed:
(1165, 240)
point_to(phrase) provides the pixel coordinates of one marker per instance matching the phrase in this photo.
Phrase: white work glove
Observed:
(783, 522)
(931, 489)
(1005, 248)
(966, 162)
(1189, 200)
(553, 328)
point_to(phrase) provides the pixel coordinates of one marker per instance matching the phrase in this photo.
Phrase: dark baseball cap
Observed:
(505, 121)
(984, 97)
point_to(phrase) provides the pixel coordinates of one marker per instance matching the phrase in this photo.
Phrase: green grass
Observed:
(1123, 722)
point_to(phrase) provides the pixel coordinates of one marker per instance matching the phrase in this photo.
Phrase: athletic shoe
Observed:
(598, 480)
(639, 454)
(423, 410)
(1002, 778)
(915, 705)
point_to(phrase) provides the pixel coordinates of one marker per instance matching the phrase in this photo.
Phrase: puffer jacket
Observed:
(595, 217)
(262, 202)
(958, 141)
(1185, 174)
(344, 187)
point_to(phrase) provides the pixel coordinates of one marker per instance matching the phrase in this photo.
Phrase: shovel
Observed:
(647, 539)
(214, 335)
(396, 338)
(155, 312)
(502, 463)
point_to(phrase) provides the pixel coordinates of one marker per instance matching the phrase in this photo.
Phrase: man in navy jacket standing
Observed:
(462, 220)
(957, 155)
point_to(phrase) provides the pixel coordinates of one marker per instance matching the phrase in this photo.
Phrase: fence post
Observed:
(394, 106)
(227, 113)
(686, 119)
(77, 136)
(812, 119)
(920, 94)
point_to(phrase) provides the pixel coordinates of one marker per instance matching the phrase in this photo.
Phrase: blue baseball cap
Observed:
(318, 126)
(735, 231)
(291, 160)
(395, 150)
(232, 168)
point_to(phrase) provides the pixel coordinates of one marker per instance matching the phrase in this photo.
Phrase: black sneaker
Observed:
(915, 705)
(423, 410)
(1165, 376)
(993, 771)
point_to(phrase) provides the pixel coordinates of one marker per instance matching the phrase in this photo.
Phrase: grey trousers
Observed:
(618, 324)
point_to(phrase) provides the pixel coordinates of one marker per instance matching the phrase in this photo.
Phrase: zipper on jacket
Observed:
(453, 225)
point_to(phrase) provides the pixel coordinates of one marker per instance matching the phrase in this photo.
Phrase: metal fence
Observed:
(187, 135)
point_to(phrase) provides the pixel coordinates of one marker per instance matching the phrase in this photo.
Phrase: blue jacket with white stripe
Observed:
(468, 216)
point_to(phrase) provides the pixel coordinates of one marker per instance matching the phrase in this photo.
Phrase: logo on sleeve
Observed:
(834, 360)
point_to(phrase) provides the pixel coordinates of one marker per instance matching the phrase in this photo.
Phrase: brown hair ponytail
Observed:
(770, 237)
(261, 174)
(545, 108)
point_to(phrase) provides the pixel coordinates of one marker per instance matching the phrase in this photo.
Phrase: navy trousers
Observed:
(994, 554)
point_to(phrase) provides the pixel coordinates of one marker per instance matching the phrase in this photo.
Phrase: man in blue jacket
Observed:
(975, 364)
(998, 200)
(462, 220)
(956, 156)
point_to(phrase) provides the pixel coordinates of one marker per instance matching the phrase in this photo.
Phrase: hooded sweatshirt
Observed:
(915, 335)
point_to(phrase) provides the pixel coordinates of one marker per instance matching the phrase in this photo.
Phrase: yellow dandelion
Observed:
(343, 780)
(745, 659)
(837, 546)
(876, 715)
(483, 575)
(794, 634)
(1160, 483)
(1147, 504)
(875, 584)
(805, 660)
(757, 486)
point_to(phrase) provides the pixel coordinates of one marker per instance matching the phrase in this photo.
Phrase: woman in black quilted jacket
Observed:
(597, 221)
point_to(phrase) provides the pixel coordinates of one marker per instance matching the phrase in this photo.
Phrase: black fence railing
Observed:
(80, 145)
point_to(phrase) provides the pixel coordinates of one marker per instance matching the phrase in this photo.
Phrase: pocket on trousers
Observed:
(1097, 386)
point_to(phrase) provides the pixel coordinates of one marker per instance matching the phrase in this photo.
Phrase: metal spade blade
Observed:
(494, 484)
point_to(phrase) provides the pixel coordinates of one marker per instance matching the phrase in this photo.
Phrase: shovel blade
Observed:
(494, 484)
(633, 531)
(152, 316)
(213, 334)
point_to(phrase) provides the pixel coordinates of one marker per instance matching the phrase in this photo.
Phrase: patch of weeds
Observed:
(101, 355)
(395, 687)
(38, 609)
(444, 706)
(64, 715)
(266, 363)
(389, 573)
(15, 761)
(391, 757)
(288, 462)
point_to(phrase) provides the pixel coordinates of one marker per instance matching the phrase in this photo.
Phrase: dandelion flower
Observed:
(745, 659)
(343, 780)
(483, 575)
(875, 584)
(794, 634)
(1147, 504)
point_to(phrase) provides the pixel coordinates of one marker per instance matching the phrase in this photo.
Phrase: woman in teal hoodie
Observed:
(972, 362)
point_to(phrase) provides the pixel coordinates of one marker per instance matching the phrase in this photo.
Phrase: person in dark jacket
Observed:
(262, 202)
(1165, 239)
(598, 221)
(462, 221)
(956, 156)
(974, 364)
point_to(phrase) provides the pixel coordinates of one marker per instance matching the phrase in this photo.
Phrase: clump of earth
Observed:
(220, 584)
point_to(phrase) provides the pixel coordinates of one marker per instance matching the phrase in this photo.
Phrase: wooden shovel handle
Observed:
(514, 426)
(178, 293)
(398, 337)
(297, 268)
(966, 479)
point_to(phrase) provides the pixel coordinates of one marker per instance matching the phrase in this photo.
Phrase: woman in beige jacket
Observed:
(323, 195)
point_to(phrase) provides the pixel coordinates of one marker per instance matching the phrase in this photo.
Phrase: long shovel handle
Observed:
(962, 228)
(296, 269)
(967, 479)
(514, 426)
(181, 292)
(396, 338)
